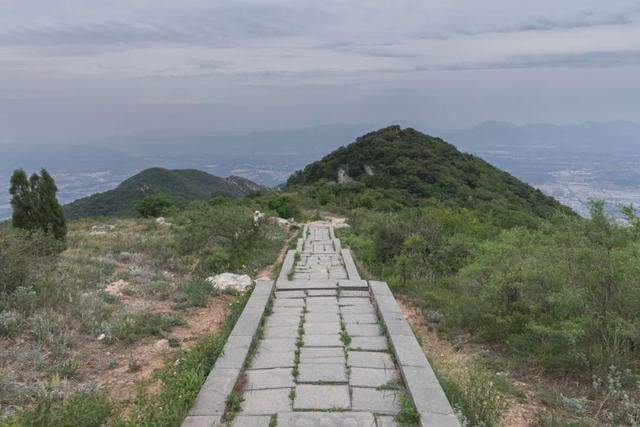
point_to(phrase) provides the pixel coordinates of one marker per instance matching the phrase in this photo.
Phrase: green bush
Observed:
(129, 328)
(195, 294)
(153, 206)
(284, 206)
(9, 323)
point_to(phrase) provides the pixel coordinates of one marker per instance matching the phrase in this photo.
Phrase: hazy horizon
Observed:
(78, 71)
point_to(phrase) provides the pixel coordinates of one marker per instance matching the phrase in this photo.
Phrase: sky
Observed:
(77, 69)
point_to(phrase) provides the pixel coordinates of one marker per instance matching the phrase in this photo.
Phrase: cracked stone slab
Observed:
(251, 421)
(311, 396)
(369, 343)
(258, 379)
(352, 293)
(320, 352)
(266, 402)
(319, 373)
(355, 330)
(321, 340)
(377, 401)
(371, 377)
(270, 359)
(326, 419)
(369, 359)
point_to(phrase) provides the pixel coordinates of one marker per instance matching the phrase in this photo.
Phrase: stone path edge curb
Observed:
(422, 384)
(209, 406)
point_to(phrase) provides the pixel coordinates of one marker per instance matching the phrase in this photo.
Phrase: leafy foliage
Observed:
(394, 168)
(35, 206)
(153, 205)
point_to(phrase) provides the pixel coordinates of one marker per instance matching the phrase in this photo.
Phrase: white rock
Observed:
(161, 221)
(257, 217)
(236, 282)
(101, 337)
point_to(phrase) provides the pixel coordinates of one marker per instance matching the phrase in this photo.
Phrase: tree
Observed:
(35, 206)
(153, 205)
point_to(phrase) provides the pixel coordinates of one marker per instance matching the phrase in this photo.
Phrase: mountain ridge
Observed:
(181, 185)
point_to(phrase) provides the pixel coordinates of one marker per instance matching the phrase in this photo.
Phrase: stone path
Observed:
(323, 358)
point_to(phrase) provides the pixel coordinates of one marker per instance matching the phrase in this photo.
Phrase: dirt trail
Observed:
(442, 353)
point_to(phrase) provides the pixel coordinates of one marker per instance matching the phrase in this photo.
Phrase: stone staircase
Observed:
(331, 350)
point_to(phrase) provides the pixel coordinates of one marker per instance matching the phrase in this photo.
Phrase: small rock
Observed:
(236, 282)
(161, 221)
(162, 344)
(101, 337)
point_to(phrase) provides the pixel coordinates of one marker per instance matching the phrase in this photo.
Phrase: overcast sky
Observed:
(83, 69)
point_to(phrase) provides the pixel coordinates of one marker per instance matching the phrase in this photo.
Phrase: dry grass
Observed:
(108, 302)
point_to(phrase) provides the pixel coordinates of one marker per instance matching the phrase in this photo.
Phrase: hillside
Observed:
(397, 167)
(182, 186)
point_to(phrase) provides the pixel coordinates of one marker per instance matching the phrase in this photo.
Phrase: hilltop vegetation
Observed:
(394, 168)
(180, 186)
(482, 253)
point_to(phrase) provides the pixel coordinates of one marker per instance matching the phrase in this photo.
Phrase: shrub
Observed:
(129, 328)
(284, 206)
(195, 294)
(9, 323)
(153, 205)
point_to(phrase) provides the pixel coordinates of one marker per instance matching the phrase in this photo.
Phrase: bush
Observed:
(9, 323)
(195, 294)
(153, 206)
(284, 206)
(129, 328)
(23, 257)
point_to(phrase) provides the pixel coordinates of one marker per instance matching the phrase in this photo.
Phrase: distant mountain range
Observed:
(182, 186)
(570, 162)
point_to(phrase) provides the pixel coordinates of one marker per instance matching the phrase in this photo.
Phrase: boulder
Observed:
(161, 221)
(236, 282)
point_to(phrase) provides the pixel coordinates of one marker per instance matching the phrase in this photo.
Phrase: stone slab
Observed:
(282, 321)
(356, 330)
(311, 396)
(322, 328)
(369, 343)
(251, 421)
(354, 294)
(319, 373)
(277, 345)
(408, 352)
(354, 301)
(352, 284)
(322, 317)
(320, 352)
(360, 319)
(324, 308)
(399, 327)
(201, 421)
(349, 265)
(441, 420)
(233, 357)
(371, 377)
(258, 379)
(357, 309)
(377, 401)
(322, 292)
(280, 331)
(380, 288)
(288, 302)
(326, 419)
(266, 402)
(286, 311)
(369, 359)
(307, 284)
(290, 294)
(270, 359)
(388, 421)
(428, 396)
(322, 341)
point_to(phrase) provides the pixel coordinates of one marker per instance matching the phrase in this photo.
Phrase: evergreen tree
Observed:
(35, 206)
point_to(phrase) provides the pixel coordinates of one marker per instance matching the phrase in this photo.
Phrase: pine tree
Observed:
(21, 201)
(35, 206)
(51, 211)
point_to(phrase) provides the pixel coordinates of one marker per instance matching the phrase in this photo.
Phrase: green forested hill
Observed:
(393, 167)
(182, 186)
